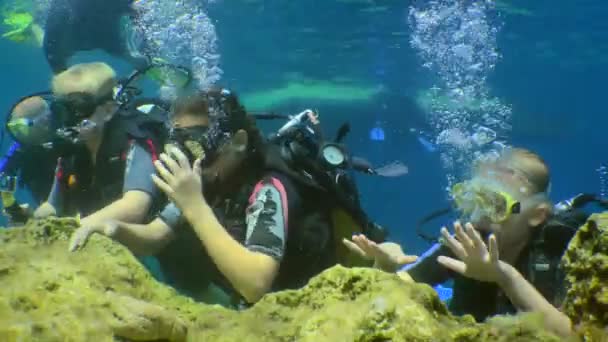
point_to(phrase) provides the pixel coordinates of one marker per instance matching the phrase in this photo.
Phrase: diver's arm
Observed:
(526, 298)
(140, 239)
(250, 273)
(54, 202)
(131, 208)
(138, 191)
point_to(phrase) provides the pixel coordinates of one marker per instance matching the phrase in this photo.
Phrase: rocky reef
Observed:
(586, 265)
(103, 293)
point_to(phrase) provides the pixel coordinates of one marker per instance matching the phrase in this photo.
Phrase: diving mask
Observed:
(196, 142)
(41, 118)
(477, 201)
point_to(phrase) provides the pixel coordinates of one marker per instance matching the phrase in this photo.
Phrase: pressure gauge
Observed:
(333, 155)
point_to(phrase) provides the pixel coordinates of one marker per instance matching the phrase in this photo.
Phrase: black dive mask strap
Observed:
(428, 218)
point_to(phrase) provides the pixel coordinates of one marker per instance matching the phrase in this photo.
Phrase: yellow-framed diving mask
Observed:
(477, 201)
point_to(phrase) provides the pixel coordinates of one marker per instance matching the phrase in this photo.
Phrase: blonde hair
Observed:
(531, 165)
(97, 79)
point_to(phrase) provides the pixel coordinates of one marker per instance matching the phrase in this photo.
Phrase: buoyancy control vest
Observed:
(318, 220)
(89, 186)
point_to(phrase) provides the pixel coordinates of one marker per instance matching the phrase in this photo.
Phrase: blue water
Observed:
(553, 73)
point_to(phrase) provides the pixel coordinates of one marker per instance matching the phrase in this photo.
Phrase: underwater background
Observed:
(355, 61)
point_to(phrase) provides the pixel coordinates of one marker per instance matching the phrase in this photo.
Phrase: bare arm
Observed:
(251, 273)
(131, 208)
(148, 239)
(526, 298)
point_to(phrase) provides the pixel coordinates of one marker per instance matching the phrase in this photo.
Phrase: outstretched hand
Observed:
(81, 236)
(387, 256)
(477, 261)
(177, 179)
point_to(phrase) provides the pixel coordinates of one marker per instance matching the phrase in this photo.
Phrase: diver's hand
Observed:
(476, 260)
(387, 256)
(178, 180)
(81, 235)
(45, 210)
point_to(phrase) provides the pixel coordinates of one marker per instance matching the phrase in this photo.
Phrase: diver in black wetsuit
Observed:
(79, 25)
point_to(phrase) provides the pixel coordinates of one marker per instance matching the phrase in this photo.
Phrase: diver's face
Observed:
(510, 182)
(186, 120)
(222, 173)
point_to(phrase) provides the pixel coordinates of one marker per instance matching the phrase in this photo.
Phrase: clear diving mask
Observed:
(477, 201)
(42, 118)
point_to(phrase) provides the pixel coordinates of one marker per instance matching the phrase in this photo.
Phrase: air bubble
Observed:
(457, 41)
(603, 173)
(181, 33)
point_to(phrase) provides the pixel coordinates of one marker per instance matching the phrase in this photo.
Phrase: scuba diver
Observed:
(77, 25)
(26, 167)
(104, 139)
(504, 203)
(246, 214)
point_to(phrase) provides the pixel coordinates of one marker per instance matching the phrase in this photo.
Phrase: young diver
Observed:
(258, 225)
(505, 201)
(106, 149)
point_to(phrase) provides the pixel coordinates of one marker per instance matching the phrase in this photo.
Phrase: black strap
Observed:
(428, 218)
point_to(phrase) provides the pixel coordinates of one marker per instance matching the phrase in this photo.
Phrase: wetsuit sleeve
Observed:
(267, 219)
(427, 270)
(138, 170)
(171, 215)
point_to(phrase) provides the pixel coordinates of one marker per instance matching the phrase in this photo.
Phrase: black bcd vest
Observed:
(91, 186)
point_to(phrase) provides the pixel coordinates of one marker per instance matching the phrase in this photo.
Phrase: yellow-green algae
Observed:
(586, 265)
(310, 90)
(102, 293)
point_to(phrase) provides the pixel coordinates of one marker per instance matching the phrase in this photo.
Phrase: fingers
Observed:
(407, 259)
(164, 173)
(79, 239)
(170, 164)
(452, 264)
(493, 248)
(197, 166)
(365, 244)
(473, 234)
(354, 248)
(453, 244)
(164, 187)
(178, 155)
(463, 238)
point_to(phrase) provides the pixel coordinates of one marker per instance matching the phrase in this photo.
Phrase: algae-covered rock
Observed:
(102, 293)
(48, 294)
(586, 265)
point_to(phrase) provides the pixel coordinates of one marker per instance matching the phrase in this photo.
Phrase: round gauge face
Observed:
(333, 155)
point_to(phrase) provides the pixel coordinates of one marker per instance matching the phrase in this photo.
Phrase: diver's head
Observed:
(84, 98)
(31, 109)
(213, 126)
(506, 196)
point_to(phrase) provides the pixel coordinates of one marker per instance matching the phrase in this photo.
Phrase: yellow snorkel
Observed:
(476, 201)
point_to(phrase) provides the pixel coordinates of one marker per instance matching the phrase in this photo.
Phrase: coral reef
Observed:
(586, 265)
(103, 293)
